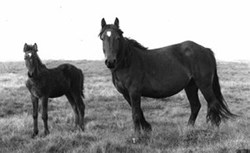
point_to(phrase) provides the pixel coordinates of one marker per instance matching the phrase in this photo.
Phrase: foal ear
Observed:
(25, 47)
(35, 47)
(103, 22)
(117, 22)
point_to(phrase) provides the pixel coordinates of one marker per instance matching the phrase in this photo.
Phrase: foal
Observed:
(44, 83)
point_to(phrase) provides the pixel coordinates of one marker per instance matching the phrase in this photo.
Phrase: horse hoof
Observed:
(33, 136)
(45, 133)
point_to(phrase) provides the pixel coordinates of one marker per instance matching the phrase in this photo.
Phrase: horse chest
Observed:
(35, 89)
(119, 85)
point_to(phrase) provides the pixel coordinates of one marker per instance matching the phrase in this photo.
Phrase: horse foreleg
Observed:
(126, 96)
(136, 112)
(144, 124)
(137, 115)
(45, 115)
(74, 107)
(35, 115)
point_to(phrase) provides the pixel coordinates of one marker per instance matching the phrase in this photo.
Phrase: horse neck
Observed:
(38, 67)
(125, 56)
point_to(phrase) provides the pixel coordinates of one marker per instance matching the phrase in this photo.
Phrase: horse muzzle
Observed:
(110, 63)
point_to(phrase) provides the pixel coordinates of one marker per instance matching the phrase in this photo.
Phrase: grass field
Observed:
(108, 122)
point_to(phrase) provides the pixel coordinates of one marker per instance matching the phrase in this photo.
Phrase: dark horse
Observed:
(158, 73)
(44, 83)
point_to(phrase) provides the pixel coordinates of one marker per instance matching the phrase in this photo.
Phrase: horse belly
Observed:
(59, 91)
(56, 93)
(59, 88)
(165, 87)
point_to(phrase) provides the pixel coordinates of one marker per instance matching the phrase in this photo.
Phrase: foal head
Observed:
(32, 61)
(111, 37)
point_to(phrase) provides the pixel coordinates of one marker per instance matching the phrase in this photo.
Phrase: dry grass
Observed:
(108, 117)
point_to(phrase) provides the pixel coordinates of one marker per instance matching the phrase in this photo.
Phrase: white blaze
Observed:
(108, 33)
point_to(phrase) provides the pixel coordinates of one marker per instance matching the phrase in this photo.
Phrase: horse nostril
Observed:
(110, 63)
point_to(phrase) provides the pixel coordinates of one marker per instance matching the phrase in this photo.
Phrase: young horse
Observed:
(44, 83)
(137, 71)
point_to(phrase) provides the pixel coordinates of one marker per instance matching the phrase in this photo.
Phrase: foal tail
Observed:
(219, 111)
(82, 84)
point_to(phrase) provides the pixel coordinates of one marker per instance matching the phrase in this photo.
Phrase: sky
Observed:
(68, 29)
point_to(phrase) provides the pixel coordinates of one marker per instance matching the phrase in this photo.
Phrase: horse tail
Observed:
(220, 110)
(82, 83)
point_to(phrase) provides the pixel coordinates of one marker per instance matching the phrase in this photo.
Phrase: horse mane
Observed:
(131, 42)
(39, 61)
(134, 43)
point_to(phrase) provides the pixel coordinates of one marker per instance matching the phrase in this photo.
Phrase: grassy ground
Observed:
(108, 119)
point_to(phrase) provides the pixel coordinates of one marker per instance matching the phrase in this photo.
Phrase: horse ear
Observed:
(103, 22)
(35, 47)
(25, 47)
(117, 22)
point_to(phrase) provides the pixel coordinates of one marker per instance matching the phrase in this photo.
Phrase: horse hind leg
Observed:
(80, 108)
(74, 106)
(192, 95)
(214, 108)
(217, 107)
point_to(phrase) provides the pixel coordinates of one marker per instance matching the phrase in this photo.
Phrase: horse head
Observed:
(31, 58)
(111, 37)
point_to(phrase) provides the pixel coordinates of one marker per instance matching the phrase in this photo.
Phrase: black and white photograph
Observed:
(124, 76)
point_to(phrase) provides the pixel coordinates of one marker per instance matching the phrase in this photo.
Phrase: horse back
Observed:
(56, 82)
(198, 59)
(66, 78)
(73, 74)
(169, 69)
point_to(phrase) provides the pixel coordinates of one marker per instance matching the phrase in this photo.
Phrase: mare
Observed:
(159, 73)
(44, 83)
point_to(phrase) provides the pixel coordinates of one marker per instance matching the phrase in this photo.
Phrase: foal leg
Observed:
(35, 115)
(192, 94)
(74, 106)
(82, 111)
(80, 107)
(45, 115)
